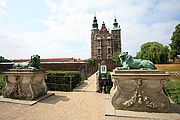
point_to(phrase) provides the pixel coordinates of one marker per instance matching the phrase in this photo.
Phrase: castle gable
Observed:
(103, 32)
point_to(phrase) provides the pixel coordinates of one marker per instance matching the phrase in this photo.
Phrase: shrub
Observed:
(2, 83)
(63, 80)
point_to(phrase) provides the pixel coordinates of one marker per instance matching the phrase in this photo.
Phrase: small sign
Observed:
(103, 69)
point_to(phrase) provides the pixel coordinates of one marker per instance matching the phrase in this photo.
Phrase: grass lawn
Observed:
(172, 86)
(170, 68)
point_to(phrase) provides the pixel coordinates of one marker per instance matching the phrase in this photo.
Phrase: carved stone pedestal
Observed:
(24, 84)
(139, 90)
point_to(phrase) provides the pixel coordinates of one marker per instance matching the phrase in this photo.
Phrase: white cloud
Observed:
(168, 6)
(134, 35)
(3, 4)
(68, 27)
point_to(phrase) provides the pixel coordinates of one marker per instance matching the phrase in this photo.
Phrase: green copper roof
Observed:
(115, 25)
(116, 28)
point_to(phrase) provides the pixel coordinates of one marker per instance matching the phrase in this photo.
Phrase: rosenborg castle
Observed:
(104, 43)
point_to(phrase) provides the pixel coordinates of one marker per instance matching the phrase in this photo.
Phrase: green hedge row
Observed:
(63, 80)
(173, 88)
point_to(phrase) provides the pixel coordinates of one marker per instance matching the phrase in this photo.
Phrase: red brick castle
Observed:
(104, 43)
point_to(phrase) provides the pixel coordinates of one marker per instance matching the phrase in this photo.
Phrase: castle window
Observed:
(116, 45)
(99, 41)
(109, 50)
(108, 40)
(109, 57)
(99, 51)
(99, 57)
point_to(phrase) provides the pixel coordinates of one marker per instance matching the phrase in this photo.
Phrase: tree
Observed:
(91, 61)
(154, 51)
(175, 45)
(115, 56)
(2, 59)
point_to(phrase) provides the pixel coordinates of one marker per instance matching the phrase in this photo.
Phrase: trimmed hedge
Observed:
(63, 80)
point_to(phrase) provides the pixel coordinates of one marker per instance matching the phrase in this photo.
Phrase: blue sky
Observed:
(62, 28)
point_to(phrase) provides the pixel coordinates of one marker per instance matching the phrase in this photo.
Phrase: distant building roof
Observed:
(80, 60)
(20, 60)
(51, 60)
(58, 60)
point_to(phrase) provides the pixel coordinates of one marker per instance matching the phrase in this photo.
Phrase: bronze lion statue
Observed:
(34, 63)
(128, 62)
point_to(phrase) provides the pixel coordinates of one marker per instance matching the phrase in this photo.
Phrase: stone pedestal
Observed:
(139, 90)
(24, 84)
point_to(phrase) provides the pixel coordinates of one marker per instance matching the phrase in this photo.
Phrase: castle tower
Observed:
(94, 32)
(116, 36)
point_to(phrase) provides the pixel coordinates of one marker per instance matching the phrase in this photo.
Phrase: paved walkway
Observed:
(88, 85)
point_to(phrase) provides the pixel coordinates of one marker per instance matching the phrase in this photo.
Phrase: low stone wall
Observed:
(68, 66)
(49, 66)
(63, 66)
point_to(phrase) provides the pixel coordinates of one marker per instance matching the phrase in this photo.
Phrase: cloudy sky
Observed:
(62, 28)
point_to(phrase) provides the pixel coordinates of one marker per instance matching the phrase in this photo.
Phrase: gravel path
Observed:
(61, 106)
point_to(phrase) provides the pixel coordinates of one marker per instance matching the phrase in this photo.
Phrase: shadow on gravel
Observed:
(55, 99)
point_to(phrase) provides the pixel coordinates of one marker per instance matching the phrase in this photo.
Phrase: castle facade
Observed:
(104, 43)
